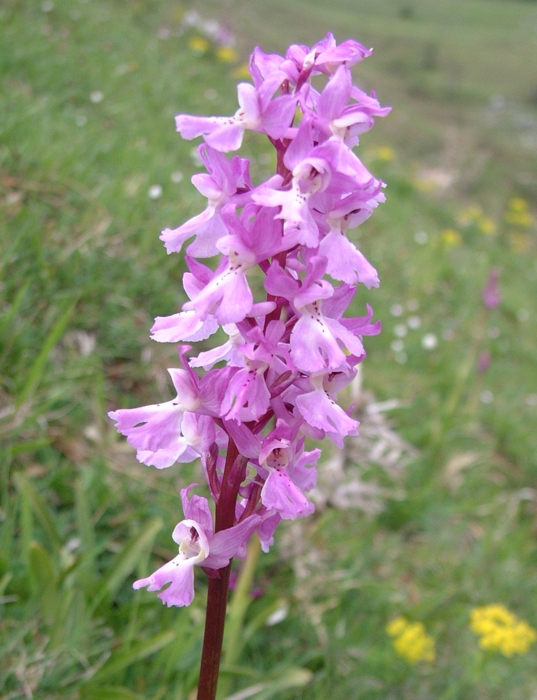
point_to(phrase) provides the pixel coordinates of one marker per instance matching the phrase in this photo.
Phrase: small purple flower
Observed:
(491, 293)
(157, 431)
(320, 336)
(288, 476)
(326, 56)
(334, 116)
(259, 111)
(320, 410)
(198, 545)
(484, 362)
(225, 181)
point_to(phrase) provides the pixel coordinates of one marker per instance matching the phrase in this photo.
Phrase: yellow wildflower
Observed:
(198, 44)
(520, 242)
(486, 225)
(411, 641)
(469, 215)
(519, 218)
(226, 54)
(518, 214)
(385, 153)
(424, 184)
(241, 71)
(500, 630)
(518, 204)
(450, 237)
(396, 626)
(474, 215)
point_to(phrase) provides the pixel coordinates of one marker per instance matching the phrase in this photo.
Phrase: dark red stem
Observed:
(218, 587)
(214, 634)
(234, 474)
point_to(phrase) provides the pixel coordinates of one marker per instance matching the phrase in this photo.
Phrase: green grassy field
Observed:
(89, 91)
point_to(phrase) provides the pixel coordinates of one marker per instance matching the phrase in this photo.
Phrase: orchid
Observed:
(246, 407)
(198, 545)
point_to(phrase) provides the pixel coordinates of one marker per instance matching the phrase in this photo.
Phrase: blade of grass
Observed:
(44, 579)
(37, 505)
(86, 531)
(4, 582)
(6, 320)
(26, 521)
(137, 652)
(290, 678)
(37, 369)
(127, 561)
(71, 622)
(29, 445)
(111, 693)
(234, 633)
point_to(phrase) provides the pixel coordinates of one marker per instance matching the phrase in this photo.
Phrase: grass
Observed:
(89, 90)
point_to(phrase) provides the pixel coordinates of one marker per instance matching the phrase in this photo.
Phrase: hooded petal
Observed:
(195, 508)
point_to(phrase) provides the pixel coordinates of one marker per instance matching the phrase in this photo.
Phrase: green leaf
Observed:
(182, 655)
(6, 320)
(121, 660)
(240, 602)
(86, 531)
(110, 692)
(9, 543)
(26, 518)
(71, 620)
(260, 619)
(37, 369)
(17, 301)
(128, 559)
(32, 498)
(43, 579)
(29, 446)
(234, 670)
(290, 678)
(4, 582)
(42, 567)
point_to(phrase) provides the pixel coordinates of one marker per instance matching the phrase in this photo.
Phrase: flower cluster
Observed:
(518, 213)
(245, 408)
(500, 630)
(411, 641)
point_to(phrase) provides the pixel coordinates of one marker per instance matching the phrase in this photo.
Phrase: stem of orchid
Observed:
(218, 587)
(214, 634)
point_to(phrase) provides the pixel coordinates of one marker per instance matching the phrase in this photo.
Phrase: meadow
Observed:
(428, 516)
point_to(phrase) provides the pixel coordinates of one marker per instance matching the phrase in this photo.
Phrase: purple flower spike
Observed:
(225, 182)
(491, 293)
(279, 273)
(484, 362)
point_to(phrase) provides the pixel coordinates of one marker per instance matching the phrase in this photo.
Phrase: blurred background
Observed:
(429, 516)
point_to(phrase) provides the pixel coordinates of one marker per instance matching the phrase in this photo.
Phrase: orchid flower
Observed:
(278, 279)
